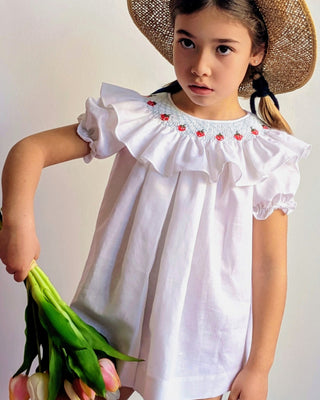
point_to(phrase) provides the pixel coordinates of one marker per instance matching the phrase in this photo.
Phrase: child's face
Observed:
(211, 55)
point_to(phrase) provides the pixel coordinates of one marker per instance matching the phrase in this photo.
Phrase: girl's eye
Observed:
(187, 43)
(224, 50)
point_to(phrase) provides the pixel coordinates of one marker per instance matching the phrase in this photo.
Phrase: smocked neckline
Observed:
(169, 116)
(213, 121)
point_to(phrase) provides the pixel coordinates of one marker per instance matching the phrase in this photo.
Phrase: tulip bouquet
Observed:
(73, 357)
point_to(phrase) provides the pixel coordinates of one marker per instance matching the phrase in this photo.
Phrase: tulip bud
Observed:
(38, 386)
(18, 388)
(70, 391)
(83, 390)
(109, 374)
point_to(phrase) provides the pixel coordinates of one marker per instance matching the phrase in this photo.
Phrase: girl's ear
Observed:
(257, 57)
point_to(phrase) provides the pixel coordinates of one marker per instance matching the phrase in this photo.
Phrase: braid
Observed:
(268, 105)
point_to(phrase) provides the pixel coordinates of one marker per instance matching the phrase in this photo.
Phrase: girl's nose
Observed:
(202, 64)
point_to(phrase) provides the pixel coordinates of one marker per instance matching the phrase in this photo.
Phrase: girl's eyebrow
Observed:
(186, 33)
(191, 36)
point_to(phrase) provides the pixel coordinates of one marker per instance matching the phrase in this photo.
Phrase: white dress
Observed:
(168, 277)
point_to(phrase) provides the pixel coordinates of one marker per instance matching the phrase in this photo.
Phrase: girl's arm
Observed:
(21, 174)
(269, 283)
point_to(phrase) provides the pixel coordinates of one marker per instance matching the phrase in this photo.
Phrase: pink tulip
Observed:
(38, 386)
(109, 374)
(83, 390)
(18, 388)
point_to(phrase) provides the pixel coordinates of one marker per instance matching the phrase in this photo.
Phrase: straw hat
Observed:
(291, 54)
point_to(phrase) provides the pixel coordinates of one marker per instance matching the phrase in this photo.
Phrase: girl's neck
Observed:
(229, 109)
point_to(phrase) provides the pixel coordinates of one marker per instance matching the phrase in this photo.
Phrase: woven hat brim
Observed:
(291, 55)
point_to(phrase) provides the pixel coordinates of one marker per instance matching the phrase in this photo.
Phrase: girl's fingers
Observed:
(234, 395)
(19, 269)
(10, 271)
(18, 276)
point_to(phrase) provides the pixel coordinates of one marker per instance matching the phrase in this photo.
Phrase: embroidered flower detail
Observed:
(161, 108)
(165, 117)
(151, 103)
(182, 128)
(238, 136)
(219, 137)
(200, 133)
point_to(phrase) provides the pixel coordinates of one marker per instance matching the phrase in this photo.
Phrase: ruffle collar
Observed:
(155, 131)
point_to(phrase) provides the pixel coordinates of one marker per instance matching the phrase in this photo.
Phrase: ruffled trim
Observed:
(250, 151)
(284, 202)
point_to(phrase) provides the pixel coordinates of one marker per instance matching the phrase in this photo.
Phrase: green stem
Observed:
(53, 296)
(42, 277)
(50, 293)
(55, 316)
(33, 305)
(47, 291)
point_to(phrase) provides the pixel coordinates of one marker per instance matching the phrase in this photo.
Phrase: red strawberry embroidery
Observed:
(200, 133)
(164, 117)
(219, 137)
(254, 131)
(181, 128)
(151, 103)
(238, 136)
(265, 127)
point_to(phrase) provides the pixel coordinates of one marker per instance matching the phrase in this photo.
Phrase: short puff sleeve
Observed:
(97, 126)
(277, 191)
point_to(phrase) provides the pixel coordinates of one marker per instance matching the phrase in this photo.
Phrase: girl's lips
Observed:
(201, 90)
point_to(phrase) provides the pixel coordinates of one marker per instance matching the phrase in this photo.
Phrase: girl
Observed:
(187, 267)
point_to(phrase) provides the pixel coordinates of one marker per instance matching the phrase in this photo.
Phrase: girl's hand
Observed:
(250, 384)
(19, 245)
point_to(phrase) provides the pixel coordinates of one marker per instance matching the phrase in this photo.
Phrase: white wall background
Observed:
(54, 54)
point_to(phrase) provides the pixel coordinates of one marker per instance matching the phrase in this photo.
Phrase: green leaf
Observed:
(55, 372)
(35, 336)
(59, 329)
(84, 363)
(96, 340)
